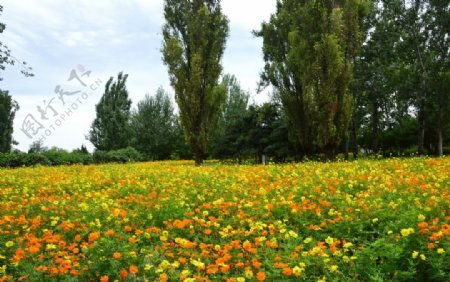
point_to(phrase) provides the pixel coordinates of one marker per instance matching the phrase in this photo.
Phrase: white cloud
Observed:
(108, 37)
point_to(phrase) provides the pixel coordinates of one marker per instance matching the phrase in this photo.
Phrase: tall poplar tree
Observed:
(195, 36)
(309, 47)
(111, 128)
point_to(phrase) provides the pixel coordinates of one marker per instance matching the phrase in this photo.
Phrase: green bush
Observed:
(128, 154)
(52, 157)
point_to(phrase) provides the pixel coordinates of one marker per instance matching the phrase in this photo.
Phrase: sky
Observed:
(74, 47)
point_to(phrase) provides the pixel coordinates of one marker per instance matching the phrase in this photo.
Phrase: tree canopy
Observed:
(195, 35)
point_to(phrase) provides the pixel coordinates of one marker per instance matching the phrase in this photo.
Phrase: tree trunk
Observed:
(375, 127)
(199, 157)
(440, 151)
(347, 145)
(354, 141)
(421, 134)
(328, 150)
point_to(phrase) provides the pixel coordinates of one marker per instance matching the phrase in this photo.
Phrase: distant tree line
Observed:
(348, 77)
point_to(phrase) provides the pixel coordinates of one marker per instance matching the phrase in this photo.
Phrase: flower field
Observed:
(367, 220)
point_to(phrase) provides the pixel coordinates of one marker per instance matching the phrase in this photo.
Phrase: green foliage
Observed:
(37, 147)
(231, 115)
(309, 47)
(125, 155)
(8, 109)
(111, 128)
(195, 34)
(57, 156)
(154, 126)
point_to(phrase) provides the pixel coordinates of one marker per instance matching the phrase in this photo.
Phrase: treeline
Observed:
(349, 77)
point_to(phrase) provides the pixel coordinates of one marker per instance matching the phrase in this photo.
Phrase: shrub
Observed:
(128, 154)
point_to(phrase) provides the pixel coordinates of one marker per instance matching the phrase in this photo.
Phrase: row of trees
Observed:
(339, 69)
(152, 128)
(347, 74)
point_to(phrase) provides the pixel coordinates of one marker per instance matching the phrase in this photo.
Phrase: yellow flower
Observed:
(185, 273)
(51, 246)
(307, 240)
(421, 217)
(329, 240)
(346, 259)
(240, 279)
(348, 245)
(440, 251)
(423, 257)
(333, 268)
(297, 270)
(415, 254)
(375, 220)
(406, 232)
(3, 269)
(9, 244)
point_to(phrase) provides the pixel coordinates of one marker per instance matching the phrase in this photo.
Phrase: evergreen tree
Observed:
(111, 129)
(195, 34)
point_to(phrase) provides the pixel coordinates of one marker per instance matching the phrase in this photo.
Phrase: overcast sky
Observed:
(98, 39)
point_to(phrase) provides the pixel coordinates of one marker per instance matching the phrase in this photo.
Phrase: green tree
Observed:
(195, 35)
(376, 75)
(111, 129)
(232, 112)
(309, 48)
(37, 147)
(154, 126)
(8, 109)
(437, 29)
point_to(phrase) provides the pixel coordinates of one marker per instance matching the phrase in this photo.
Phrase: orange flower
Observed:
(422, 225)
(287, 271)
(109, 232)
(261, 276)
(34, 249)
(93, 236)
(127, 228)
(123, 273)
(163, 277)
(133, 269)
(225, 268)
(104, 278)
(207, 231)
(78, 238)
(256, 263)
(117, 255)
